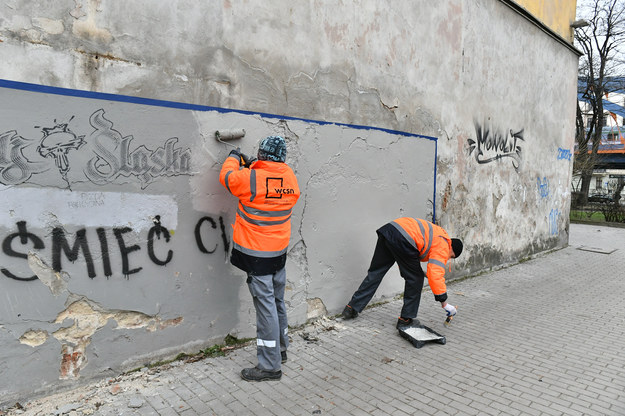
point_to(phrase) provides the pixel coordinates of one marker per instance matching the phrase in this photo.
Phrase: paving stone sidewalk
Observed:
(543, 337)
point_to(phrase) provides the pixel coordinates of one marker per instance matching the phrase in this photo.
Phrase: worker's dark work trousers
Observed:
(384, 256)
(271, 322)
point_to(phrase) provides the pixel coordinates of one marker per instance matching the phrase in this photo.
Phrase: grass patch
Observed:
(594, 216)
(214, 351)
(219, 350)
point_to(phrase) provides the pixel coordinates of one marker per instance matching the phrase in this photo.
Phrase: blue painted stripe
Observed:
(434, 192)
(173, 104)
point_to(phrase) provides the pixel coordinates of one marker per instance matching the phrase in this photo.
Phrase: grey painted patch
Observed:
(132, 228)
(90, 209)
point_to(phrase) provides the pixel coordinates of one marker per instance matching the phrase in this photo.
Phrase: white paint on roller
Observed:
(49, 206)
(229, 134)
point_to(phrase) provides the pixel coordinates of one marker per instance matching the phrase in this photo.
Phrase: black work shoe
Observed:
(407, 322)
(256, 374)
(284, 358)
(349, 312)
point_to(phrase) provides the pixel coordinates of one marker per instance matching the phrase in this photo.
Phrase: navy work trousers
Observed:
(384, 256)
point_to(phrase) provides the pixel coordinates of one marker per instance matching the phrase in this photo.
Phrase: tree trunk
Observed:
(617, 191)
(586, 178)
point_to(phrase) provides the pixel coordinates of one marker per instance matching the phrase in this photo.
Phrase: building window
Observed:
(598, 183)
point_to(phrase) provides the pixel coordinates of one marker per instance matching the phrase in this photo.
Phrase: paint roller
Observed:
(232, 134)
(222, 135)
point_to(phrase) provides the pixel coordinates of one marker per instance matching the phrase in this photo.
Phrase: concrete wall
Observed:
(471, 108)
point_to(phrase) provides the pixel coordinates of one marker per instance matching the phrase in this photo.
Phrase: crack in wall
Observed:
(55, 281)
(298, 251)
(389, 107)
(298, 254)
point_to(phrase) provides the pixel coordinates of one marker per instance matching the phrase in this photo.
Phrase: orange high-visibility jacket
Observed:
(434, 246)
(267, 192)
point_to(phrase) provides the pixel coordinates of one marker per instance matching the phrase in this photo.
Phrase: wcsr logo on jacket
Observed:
(276, 190)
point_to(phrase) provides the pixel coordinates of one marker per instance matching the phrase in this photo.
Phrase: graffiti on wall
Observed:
(564, 154)
(17, 244)
(56, 143)
(554, 217)
(491, 145)
(108, 154)
(543, 187)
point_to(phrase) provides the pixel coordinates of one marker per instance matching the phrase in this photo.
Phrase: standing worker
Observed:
(408, 241)
(267, 190)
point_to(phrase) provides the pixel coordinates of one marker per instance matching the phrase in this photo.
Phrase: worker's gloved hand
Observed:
(450, 309)
(243, 159)
(235, 153)
(247, 162)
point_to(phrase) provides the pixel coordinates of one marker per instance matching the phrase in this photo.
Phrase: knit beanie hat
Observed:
(456, 246)
(272, 148)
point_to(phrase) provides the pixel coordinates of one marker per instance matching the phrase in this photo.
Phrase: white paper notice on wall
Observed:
(42, 208)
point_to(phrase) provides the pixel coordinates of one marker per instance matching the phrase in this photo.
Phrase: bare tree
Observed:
(600, 41)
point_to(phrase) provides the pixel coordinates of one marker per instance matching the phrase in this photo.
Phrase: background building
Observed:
(610, 163)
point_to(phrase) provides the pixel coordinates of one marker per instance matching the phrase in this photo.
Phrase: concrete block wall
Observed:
(115, 229)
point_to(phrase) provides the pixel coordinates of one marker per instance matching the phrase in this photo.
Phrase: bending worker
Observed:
(408, 241)
(267, 190)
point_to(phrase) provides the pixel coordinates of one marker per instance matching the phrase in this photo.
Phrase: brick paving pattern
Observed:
(543, 337)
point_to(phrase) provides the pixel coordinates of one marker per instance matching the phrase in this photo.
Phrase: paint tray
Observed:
(419, 335)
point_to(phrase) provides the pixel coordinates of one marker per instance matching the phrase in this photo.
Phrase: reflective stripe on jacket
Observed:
(267, 192)
(434, 246)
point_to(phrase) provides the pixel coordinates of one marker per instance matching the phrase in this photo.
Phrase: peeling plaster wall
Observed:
(469, 91)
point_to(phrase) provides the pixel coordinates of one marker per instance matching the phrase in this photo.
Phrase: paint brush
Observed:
(449, 318)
